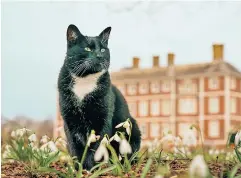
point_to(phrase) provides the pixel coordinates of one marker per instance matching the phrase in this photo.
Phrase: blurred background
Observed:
(34, 45)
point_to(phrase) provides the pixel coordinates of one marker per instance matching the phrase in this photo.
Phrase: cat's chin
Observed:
(90, 72)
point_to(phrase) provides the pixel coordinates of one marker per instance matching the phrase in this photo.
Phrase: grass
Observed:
(25, 156)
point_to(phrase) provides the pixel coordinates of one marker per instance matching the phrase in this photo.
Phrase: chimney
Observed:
(155, 61)
(217, 52)
(135, 62)
(170, 59)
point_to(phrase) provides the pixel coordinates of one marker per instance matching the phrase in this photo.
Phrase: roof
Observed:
(178, 70)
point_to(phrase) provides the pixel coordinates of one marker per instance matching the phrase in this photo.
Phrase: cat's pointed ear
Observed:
(104, 35)
(73, 33)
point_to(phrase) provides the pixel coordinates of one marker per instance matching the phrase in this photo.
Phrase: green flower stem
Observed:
(130, 130)
(83, 156)
(127, 163)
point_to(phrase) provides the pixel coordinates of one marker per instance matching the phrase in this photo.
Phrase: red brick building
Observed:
(173, 97)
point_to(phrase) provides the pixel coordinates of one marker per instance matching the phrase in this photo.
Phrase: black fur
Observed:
(100, 110)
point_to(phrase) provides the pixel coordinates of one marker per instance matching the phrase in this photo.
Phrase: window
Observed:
(233, 83)
(143, 129)
(131, 89)
(187, 106)
(143, 88)
(122, 89)
(155, 130)
(155, 108)
(213, 105)
(165, 86)
(213, 83)
(155, 87)
(182, 128)
(133, 108)
(187, 88)
(143, 108)
(165, 107)
(213, 128)
(233, 104)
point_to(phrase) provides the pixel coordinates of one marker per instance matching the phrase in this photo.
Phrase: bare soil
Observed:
(179, 168)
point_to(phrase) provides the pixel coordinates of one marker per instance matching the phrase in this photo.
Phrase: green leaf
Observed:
(97, 166)
(146, 168)
(98, 173)
(234, 171)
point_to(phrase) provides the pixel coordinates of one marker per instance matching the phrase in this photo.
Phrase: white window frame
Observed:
(155, 129)
(233, 105)
(143, 108)
(143, 88)
(212, 126)
(144, 126)
(213, 105)
(183, 128)
(166, 107)
(122, 89)
(155, 87)
(165, 86)
(155, 108)
(133, 107)
(213, 83)
(132, 89)
(187, 106)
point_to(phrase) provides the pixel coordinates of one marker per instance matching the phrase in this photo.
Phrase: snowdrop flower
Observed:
(189, 139)
(20, 132)
(8, 147)
(33, 145)
(102, 151)
(44, 139)
(168, 143)
(92, 138)
(61, 143)
(198, 168)
(237, 140)
(32, 138)
(116, 138)
(158, 176)
(126, 125)
(211, 151)
(217, 152)
(120, 157)
(50, 145)
(13, 134)
(125, 147)
(5, 154)
(64, 158)
(105, 141)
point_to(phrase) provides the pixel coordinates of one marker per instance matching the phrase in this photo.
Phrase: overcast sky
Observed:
(34, 41)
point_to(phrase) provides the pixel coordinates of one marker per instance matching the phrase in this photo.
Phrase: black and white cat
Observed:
(88, 101)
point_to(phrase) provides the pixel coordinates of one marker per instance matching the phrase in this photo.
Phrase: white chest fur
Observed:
(86, 85)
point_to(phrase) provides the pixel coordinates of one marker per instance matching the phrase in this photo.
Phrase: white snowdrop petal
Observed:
(119, 125)
(125, 147)
(126, 124)
(32, 138)
(237, 138)
(198, 167)
(128, 130)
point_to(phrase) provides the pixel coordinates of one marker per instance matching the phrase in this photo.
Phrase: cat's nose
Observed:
(99, 55)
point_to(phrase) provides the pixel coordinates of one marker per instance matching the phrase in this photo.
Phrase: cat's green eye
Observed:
(102, 50)
(87, 49)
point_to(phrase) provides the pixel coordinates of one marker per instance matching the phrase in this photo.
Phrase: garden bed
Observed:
(179, 168)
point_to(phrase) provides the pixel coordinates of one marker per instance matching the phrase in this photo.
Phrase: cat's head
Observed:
(87, 55)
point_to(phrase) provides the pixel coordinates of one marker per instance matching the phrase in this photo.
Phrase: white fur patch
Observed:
(86, 85)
